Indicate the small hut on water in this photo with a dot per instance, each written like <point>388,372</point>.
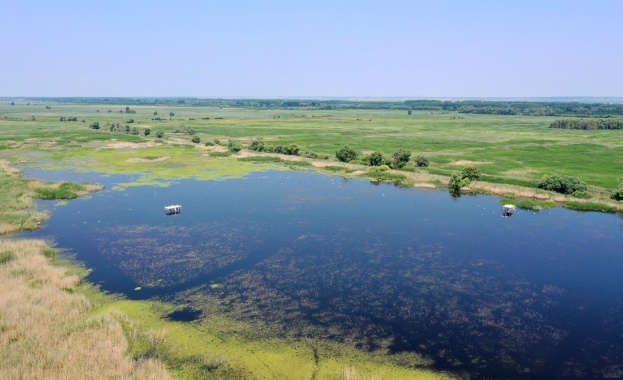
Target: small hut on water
<point>172,209</point>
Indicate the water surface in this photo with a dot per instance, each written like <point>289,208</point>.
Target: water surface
<point>536,295</point>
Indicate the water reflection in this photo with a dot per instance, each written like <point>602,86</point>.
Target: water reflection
<point>402,270</point>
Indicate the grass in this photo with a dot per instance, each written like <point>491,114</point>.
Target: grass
<point>530,204</point>
<point>515,150</point>
<point>590,206</point>
<point>47,332</point>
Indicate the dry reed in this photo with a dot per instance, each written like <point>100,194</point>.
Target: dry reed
<point>47,330</point>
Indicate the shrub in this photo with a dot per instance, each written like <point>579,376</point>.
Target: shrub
<point>5,257</point>
<point>217,142</point>
<point>234,146</point>
<point>292,150</point>
<point>159,134</point>
<point>421,161</point>
<point>582,194</point>
<point>374,159</point>
<point>457,181</point>
<point>196,139</point>
<point>95,125</point>
<point>562,184</point>
<point>471,172</point>
<point>258,146</point>
<point>381,168</point>
<point>278,149</point>
<point>147,132</point>
<point>400,158</point>
<point>184,129</point>
<point>209,143</point>
<point>346,154</point>
<point>618,194</point>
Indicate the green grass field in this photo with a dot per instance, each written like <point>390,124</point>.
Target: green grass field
<point>507,149</point>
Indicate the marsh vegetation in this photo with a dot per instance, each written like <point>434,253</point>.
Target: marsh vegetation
<point>329,304</point>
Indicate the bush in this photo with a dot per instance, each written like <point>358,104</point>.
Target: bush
<point>618,194</point>
<point>95,125</point>
<point>471,172</point>
<point>381,168</point>
<point>400,158</point>
<point>582,194</point>
<point>457,181</point>
<point>184,129</point>
<point>562,184</point>
<point>196,139</point>
<point>278,149</point>
<point>159,134</point>
<point>147,132</point>
<point>421,161</point>
<point>292,150</point>
<point>346,154</point>
<point>374,159</point>
<point>234,146</point>
<point>209,143</point>
<point>258,146</point>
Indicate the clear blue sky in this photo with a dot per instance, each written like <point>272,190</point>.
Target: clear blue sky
<point>432,48</point>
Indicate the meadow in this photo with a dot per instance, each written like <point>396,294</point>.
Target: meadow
<point>515,150</point>
<point>512,152</point>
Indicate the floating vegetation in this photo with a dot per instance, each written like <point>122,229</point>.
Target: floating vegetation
<point>529,204</point>
<point>377,268</point>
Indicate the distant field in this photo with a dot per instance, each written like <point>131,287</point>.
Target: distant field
<point>507,149</point>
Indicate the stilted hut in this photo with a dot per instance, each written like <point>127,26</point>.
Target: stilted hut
<point>508,210</point>
<point>172,209</point>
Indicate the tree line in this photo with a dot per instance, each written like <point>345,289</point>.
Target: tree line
<point>588,124</point>
<point>493,107</point>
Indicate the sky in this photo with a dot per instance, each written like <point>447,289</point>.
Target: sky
<point>321,48</point>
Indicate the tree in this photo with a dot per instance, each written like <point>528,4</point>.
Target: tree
<point>375,159</point>
<point>155,112</point>
<point>171,114</point>
<point>346,154</point>
<point>457,181</point>
<point>292,149</point>
<point>562,184</point>
<point>258,146</point>
<point>421,161</point>
<point>409,112</point>
<point>12,103</point>
<point>618,194</point>
<point>400,158</point>
<point>471,172</point>
<point>234,146</point>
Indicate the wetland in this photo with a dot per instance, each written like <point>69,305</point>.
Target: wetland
<point>383,268</point>
<point>285,265</point>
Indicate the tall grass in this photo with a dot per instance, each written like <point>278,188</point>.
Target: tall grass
<point>47,332</point>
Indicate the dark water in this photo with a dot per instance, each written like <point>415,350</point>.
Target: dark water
<point>536,295</point>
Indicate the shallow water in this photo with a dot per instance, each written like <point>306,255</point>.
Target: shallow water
<point>535,295</point>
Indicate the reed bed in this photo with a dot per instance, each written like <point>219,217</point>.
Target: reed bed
<point>47,330</point>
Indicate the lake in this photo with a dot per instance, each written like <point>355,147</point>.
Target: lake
<point>534,295</point>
